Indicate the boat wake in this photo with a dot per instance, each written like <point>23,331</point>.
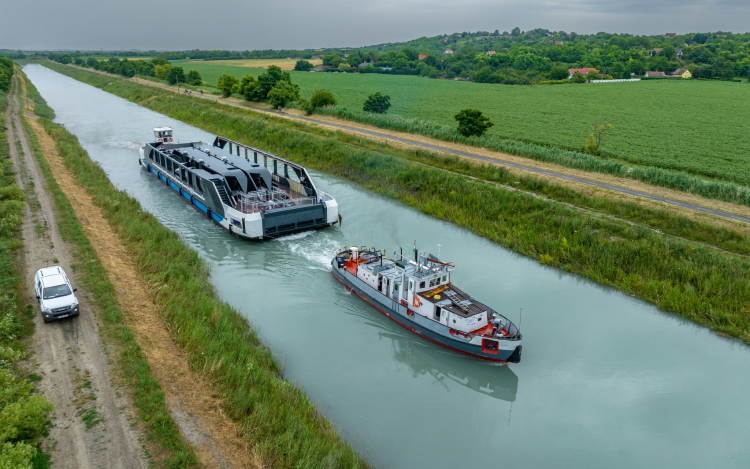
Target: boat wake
<point>314,246</point>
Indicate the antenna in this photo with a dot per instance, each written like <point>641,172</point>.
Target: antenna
<point>438,252</point>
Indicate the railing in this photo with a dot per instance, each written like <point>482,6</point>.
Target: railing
<point>262,201</point>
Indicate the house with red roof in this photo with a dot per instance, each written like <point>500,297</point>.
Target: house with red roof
<point>582,71</point>
<point>491,52</point>
<point>449,51</point>
<point>422,56</point>
<point>655,75</point>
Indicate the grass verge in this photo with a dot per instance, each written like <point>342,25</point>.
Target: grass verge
<point>687,278</point>
<point>23,413</point>
<point>281,423</point>
<point>147,396</point>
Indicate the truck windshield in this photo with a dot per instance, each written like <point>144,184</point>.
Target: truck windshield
<point>56,292</point>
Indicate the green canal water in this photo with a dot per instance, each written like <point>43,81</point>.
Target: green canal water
<point>605,380</point>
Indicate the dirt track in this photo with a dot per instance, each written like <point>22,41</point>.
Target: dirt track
<point>68,354</point>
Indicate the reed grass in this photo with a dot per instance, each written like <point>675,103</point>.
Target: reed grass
<point>171,449</point>
<point>680,276</point>
<point>281,424</point>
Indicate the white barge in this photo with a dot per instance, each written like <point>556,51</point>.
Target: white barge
<point>419,295</point>
<point>251,193</point>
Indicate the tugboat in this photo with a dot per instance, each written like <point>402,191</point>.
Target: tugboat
<point>419,295</point>
<point>251,193</point>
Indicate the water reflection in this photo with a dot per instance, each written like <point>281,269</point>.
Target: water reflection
<point>497,381</point>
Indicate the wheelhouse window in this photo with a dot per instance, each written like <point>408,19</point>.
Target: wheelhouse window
<point>190,178</point>
<point>169,164</point>
<point>421,284</point>
<point>161,157</point>
<point>151,155</point>
<point>198,183</point>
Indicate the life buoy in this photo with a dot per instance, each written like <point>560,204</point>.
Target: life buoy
<point>170,139</point>
<point>503,332</point>
<point>417,303</point>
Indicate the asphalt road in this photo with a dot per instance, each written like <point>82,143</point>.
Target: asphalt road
<point>438,148</point>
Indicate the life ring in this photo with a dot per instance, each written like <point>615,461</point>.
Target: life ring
<point>170,139</point>
<point>417,303</point>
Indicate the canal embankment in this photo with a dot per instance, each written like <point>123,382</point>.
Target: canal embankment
<point>678,273</point>
<point>205,358</point>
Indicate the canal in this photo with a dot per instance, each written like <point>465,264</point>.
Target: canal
<point>606,380</point>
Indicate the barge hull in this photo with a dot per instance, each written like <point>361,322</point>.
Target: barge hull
<point>401,317</point>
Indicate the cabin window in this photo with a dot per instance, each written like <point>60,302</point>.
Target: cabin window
<point>411,285</point>
<point>151,155</point>
<point>184,176</point>
<point>437,313</point>
<point>190,178</point>
<point>161,159</point>
<point>443,278</point>
<point>198,183</point>
<point>421,284</point>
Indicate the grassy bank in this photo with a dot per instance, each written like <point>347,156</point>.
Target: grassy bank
<point>728,186</point>
<point>278,420</point>
<point>678,125</point>
<point>23,413</point>
<point>703,285</point>
<point>148,398</point>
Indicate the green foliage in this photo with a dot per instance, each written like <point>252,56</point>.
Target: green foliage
<point>377,103</point>
<point>283,93</point>
<point>321,98</point>
<point>471,123</point>
<point>596,138</point>
<point>578,78</point>
<point>17,456</point>
<point>226,84</point>
<point>303,66</point>
<point>6,73</point>
<point>559,73</point>
<point>193,78</point>
<point>332,60</point>
<point>268,80</point>
<point>248,87</point>
<point>175,75</point>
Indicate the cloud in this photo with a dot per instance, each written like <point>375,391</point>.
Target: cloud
<point>241,25</point>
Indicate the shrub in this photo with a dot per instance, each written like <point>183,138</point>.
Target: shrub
<point>303,66</point>
<point>471,122</point>
<point>578,78</point>
<point>193,78</point>
<point>322,98</point>
<point>226,84</point>
<point>377,103</point>
<point>283,93</point>
<point>559,73</point>
<point>175,75</point>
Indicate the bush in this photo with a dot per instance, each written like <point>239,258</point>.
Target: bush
<point>322,98</point>
<point>344,67</point>
<point>377,103</point>
<point>283,93</point>
<point>227,83</point>
<point>303,66</point>
<point>559,73</point>
<point>193,78</point>
<point>175,75</point>
<point>578,78</point>
<point>471,122</point>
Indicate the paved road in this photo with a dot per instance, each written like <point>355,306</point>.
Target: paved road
<point>442,149</point>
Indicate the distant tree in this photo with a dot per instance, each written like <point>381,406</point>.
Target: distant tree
<point>175,75</point>
<point>471,122</point>
<point>160,71</point>
<point>159,61</point>
<point>322,98</point>
<point>516,31</point>
<point>249,87</point>
<point>65,59</point>
<point>618,70</point>
<point>91,62</point>
<point>303,66</point>
<point>668,51</point>
<point>593,75</point>
<point>559,73</point>
<point>377,103</point>
<point>332,60</point>
<point>227,83</point>
<point>344,67</point>
<point>269,79</point>
<point>282,93</point>
<point>193,78</point>
<point>578,78</point>
<point>596,138</point>
<point>79,61</point>
<point>486,75</point>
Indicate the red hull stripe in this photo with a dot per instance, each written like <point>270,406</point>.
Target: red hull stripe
<point>414,330</point>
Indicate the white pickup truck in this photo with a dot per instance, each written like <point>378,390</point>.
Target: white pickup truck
<point>55,294</point>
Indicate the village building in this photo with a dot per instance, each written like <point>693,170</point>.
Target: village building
<point>582,71</point>
<point>422,56</point>
<point>449,51</point>
<point>682,73</point>
<point>670,35</point>
<point>678,52</point>
<point>559,43</point>
<point>655,75</point>
<point>491,52</point>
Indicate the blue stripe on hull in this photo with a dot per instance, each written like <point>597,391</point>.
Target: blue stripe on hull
<point>203,208</point>
<point>470,349</point>
<point>217,218</point>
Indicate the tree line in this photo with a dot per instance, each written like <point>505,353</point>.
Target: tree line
<point>156,67</point>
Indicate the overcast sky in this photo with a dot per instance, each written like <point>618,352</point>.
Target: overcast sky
<point>301,24</point>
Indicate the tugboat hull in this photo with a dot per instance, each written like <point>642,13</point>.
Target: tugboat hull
<point>506,351</point>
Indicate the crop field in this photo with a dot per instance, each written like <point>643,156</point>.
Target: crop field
<point>284,64</point>
<point>695,126</point>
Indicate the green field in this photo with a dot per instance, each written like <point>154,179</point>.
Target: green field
<point>687,125</point>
